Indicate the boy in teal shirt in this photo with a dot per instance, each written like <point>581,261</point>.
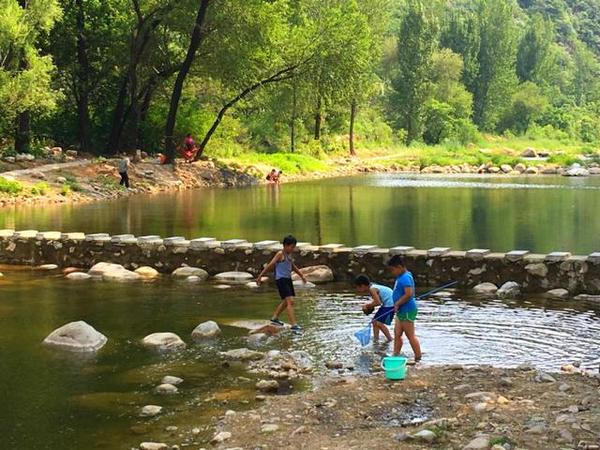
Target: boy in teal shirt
<point>405,306</point>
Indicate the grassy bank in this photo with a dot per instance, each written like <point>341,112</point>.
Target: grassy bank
<point>493,150</point>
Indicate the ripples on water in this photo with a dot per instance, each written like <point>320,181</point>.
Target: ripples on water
<point>466,332</point>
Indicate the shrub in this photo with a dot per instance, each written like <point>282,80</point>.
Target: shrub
<point>40,188</point>
<point>10,186</point>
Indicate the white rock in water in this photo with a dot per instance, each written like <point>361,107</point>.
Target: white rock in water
<point>316,274</point>
<point>299,284</point>
<point>163,341</point>
<point>153,446</point>
<point>166,389</point>
<point>48,267</point>
<point>113,272</point>
<point>185,272</point>
<point>558,293</point>
<point>243,354</point>
<point>169,379</point>
<point>193,279</point>
<point>510,289</point>
<point>485,288</point>
<point>205,330</point>
<point>98,269</point>
<point>76,337</point>
<point>223,286</point>
<point>147,272</point>
<point>150,411</point>
<point>252,285</point>
<point>234,277</point>
<point>78,276</point>
<point>576,171</point>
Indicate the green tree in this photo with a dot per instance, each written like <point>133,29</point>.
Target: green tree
<point>535,56</point>
<point>496,78</point>
<point>25,74</point>
<point>416,43</point>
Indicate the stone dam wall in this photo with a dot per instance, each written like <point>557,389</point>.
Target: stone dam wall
<point>533,272</point>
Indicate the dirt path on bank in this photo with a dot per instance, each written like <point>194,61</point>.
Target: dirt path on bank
<point>435,407</point>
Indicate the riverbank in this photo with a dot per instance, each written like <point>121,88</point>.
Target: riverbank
<point>450,407</point>
<point>78,179</point>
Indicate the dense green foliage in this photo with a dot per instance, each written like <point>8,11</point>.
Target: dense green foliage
<point>300,75</point>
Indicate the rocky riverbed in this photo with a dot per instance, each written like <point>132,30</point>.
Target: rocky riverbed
<point>451,407</point>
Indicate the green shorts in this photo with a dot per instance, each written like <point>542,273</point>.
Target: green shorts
<point>409,316</point>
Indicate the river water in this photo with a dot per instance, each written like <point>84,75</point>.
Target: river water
<point>57,401</point>
<point>540,214</point>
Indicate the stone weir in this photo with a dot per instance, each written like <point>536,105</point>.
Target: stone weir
<point>533,272</point>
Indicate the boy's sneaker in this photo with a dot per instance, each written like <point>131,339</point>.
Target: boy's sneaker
<point>296,328</point>
<point>277,322</point>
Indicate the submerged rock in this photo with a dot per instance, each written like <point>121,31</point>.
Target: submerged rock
<point>485,288</point>
<point>169,379</point>
<point>166,389</point>
<point>76,337</point>
<point>185,272</point>
<point>243,354</point>
<point>153,446</point>
<point>150,411</point>
<point>78,276</point>
<point>267,385</point>
<point>316,274</point>
<point>508,290</point>
<point>163,342</point>
<point>558,293</point>
<point>147,272</point>
<point>299,284</point>
<point>234,277</point>
<point>48,267</point>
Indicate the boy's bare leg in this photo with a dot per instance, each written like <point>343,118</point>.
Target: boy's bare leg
<point>289,302</point>
<point>397,338</point>
<point>386,332</point>
<point>375,331</point>
<point>282,305</point>
<point>409,329</point>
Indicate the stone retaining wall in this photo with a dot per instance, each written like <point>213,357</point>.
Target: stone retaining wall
<point>533,272</point>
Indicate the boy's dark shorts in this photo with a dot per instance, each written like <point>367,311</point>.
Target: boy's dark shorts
<point>286,288</point>
<point>385,315</point>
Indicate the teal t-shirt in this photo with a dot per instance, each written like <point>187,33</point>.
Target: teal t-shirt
<point>385,294</point>
<point>402,282</point>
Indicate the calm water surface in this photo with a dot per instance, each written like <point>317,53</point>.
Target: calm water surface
<point>540,214</point>
<point>56,401</point>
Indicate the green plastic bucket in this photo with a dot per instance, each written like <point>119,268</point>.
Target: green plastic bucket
<point>394,367</point>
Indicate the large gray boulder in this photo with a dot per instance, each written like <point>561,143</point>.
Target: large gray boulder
<point>113,272</point>
<point>186,271</point>
<point>206,330</point>
<point>76,337</point>
<point>508,290</point>
<point>164,342</point>
<point>316,274</point>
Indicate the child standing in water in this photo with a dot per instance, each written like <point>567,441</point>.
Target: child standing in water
<point>284,265</point>
<point>381,296</point>
<point>405,306</point>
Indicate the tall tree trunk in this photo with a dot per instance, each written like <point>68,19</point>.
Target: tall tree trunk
<point>112,147</point>
<point>281,75</point>
<point>293,121</point>
<point>23,120</point>
<point>83,72</point>
<point>23,132</point>
<point>351,134</point>
<point>195,41</point>
<point>318,120</point>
